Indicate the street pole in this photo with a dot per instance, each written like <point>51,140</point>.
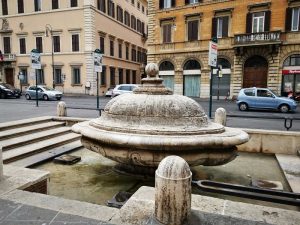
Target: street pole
<point>52,55</point>
<point>36,89</point>
<point>218,88</point>
<point>97,90</point>
<point>210,91</point>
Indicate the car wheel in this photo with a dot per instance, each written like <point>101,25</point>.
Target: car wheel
<point>243,106</point>
<point>27,96</point>
<point>284,108</point>
<point>2,95</point>
<point>45,97</point>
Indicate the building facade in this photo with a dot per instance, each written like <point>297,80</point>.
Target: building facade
<point>66,33</point>
<point>258,44</point>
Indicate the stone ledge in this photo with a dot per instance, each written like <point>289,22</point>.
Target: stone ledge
<point>140,209</point>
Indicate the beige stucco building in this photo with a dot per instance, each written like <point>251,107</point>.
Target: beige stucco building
<point>76,28</point>
<point>258,44</point>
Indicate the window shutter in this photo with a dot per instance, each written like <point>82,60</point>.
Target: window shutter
<point>190,30</point>
<point>225,26</point>
<point>214,27</point>
<point>187,2</point>
<point>267,20</point>
<point>161,4</point>
<point>249,23</point>
<point>173,3</point>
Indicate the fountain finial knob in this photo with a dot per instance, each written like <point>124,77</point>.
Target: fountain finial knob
<point>152,70</point>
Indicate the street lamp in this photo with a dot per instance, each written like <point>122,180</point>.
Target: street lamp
<point>48,30</point>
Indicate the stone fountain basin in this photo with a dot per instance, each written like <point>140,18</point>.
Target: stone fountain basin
<point>148,150</point>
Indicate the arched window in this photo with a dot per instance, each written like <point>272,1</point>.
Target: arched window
<point>293,60</point>
<point>166,66</point>
<point>192,65</point>
<point>224,63</point>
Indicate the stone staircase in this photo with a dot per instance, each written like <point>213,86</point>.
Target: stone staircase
<point>28,142</point>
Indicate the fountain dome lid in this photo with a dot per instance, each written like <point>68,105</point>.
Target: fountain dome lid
<point>154,109</point>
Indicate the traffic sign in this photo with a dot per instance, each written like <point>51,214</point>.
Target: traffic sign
<point>35,59</point>
<point>213,54</point>
<point>98,60</point>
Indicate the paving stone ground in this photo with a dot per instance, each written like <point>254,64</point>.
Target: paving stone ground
<point>12,213</point>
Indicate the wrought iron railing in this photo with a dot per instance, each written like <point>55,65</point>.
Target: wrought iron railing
<point>263,37</point>
<point>9,57</point>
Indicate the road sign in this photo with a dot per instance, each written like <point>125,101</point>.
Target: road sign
<point>213,54</point>
<point>35,59</point>
<point>98,60</point>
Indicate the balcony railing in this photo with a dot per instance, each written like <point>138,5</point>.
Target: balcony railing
<point>9,57</point>
<point>257,38</point>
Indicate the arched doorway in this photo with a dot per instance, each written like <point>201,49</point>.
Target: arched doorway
<point>221,81</point>
<point>255,72</point>
<point>291,76</point>
<point>166,72</point>
<point>191,78</point>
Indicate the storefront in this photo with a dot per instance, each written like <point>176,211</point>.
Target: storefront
<point>291,76</point>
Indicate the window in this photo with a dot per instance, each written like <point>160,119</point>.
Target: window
<point>295,19</point>
<point>293,60</point>
<point>132,2</point>
<point>143,28</point>
<point>56,43</point>
<point>54,4</point>
<point>22,45</point>
<point>220,27</point>
<point>127,52</point>
<point>249,92</point>
<point>73,3</point>
<point>57,76</point>
<point>112,76</point>
<point>103,76</point>
<point>165,4</point>
<point>120,50</point>
<point>20,6</point>
<point>6,43</point>
<point>133,22</point>
<point>191,1</point>
<point>24,72</point>
<point>112,49</point>
<point>138,5</point>
<point>119,14</point>
<point>76,75</point>
<point>133,76</point>
<point>101,5</point>
<point>37,5</point>
<point>139,56</point>
<point>111,8</point>
<point>192,27</point>
<point>121,81</point>
<point>139,26</point>
<point>258,22</point>
<point>127,19</point>
<point>39,44</point>
<point>75,42</point>
<point>127,76</point>
<point>4,8</point>
<point>40,76</point>
<point>264,93</point>
<point>143,9</point>
<point>167,33</point>
<point>102,44</point>
<point>133,55</point>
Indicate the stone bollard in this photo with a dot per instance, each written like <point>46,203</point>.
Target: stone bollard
<point>173,191</point>
<point>220,116</point>
<point>61,109</point>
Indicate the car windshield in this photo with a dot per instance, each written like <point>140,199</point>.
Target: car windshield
<point>7,86</point>
<point>49,89</point>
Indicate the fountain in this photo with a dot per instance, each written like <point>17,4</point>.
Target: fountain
<point>138,130</point>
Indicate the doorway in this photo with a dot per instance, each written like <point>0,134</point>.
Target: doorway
<point>9,76</point>
<point>255,72</point>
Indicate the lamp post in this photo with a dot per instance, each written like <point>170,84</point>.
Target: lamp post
<point>48,29</point>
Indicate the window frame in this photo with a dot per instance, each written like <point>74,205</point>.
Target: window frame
<point>56,46</point>
<point>55,4</point>
<point>22,46</point>
<point>6,48</point>
<point>73,3</point>
<point>74,81</point>
<point>37,5</point>
<point>259,19</point>
<point>297,18</point>
<point>39,46</point>
<point>190,20</point>
<point>73,47</point>
<point>163,25</point>
<point>20,6</point>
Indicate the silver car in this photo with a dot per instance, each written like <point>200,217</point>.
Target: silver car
<point>44,92</point>
<point>122,89</point>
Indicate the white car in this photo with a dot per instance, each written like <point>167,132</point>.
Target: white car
<point>45,93</point>
<point>122,89</point>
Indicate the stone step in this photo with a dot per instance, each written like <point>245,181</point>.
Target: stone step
<point>47,155</point>
<point>31,149</point>
<point>29,129</point>
<point>25,122</point>
<point>31,138</point>
<point>290,165</point>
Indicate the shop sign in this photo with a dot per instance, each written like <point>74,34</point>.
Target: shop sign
<point>286,72</point>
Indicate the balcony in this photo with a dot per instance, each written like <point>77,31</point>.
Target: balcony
<point>263,38</point>
<point>9,57</point>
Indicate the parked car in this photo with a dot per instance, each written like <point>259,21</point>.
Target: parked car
<point>123,88</point>
<point>8,91</point>
<point>109,92</point>
<point>263,98</point>
<point>44,92</point>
